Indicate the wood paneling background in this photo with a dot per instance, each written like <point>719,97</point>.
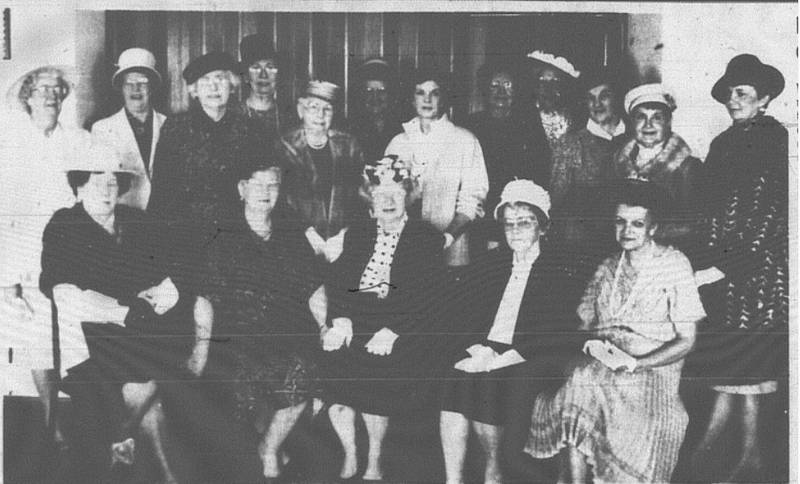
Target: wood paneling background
<point>331,45</point>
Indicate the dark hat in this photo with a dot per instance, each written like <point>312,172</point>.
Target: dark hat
<point>256,47</point>
<point>327,91</point>
<point>213,61</point>
<point>748,70</point>
<point>377,69</point>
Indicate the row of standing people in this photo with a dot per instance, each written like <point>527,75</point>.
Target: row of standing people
<point>209,143</point>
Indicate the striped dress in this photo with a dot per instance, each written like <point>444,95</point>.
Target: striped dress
<point>630,426</point>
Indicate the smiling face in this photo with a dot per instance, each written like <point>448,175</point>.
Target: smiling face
<point>376,97</point>
<point>388,202</point>
<point>214,89</point>
<point>136,90</point>
<point>261,191</point>
<point>600,104</point>
<point>428,100</point>
<point>521,227</point>
<point>46,96</point>
<point>634,227</point>
<point>744,103</point>
<point>263,76</point>
<point>317,114</point>
<point>100,194</point>
<point>651,125</point>
<point>501,92</point>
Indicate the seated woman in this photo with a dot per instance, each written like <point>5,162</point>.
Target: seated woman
<point>380,292</point>
<point>619,411</point>
<point>264,273</point>
<point>518,332</point>
<point>103,266</point>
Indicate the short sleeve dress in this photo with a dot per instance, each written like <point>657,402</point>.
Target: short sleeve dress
<point>629,425</point>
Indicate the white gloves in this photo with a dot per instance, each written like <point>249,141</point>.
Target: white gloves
<point>483,358</point>
<point>162,297</point>
<point>331,249</point>
<point>382,342</point>
<point>610,355</point>
<point>340,334</point>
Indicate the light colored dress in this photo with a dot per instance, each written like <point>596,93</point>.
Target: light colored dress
<point>629,425</point>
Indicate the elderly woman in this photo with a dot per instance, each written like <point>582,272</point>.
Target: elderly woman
<point>265,277</point>
<point>197,153</point>
<point>554,85</point>
<point>260,66</point>
<point>514,145</point>
<point>322,169</point>
<point>657,154</point>
<point>745,350</point>
<point>517,332</point>
<point>104,268</point>
<point>448,163</point>
<point>619,411</point>
<point>32,141</point>
<point>375,117</point>
<point>381,293</point>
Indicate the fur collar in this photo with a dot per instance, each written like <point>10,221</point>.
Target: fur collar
<point>671,157</point>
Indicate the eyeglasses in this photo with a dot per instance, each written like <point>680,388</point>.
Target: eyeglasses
<point>207,81</point>
<point>521,224</point>
<point>136,85</point>
<point>46,89</point>
<point>269,66</point>
<point>495,86</point>
<point>316,108</point>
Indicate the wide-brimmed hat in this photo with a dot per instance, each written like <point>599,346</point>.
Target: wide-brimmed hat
<point>13,95</point>
<point>649,93</point>
<point>256,47</point>
<point>748,70</point>
<point>327,91</point>
<point>377,68</point>
<point>524,191</point>
<point>541,59</point>
<point>213,61</point>
<point>99,158</point>
<point>135,59</point>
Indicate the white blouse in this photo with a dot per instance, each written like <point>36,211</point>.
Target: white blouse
<point>505,321</point>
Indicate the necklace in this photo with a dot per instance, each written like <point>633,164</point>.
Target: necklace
<point>615,309</point>
<point>317,145</point>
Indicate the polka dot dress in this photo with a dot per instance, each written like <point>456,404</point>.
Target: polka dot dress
<point>375,277</point>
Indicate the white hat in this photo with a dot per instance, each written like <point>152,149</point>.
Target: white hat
<point>135,58</point>
<point>99,158</point>
<point>649,93</point>
<point>524,191</point>
<point>14,98</point>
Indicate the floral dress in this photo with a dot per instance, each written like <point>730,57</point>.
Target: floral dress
<point>630,426</point>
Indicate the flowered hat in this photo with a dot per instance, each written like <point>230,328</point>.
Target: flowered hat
<point>389,169</point>
<point>560,63</point>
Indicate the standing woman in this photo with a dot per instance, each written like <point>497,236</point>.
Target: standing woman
<point>554,86</point>
<point>448,162</point>
<point>747,194</point>
<point>381,292</point>
<point>375,118</point>
<point>261,66</point>
<point>197,154</point>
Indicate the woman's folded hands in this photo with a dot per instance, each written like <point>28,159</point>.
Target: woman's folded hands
<point>483,358</point>
<point>340,333</point>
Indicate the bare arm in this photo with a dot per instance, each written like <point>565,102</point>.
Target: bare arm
<point>203,323</point>
<point>672,351</point>
<point>76,304</point>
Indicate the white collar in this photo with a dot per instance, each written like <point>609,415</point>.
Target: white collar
<point>402,225</point>
<point>412,127</point>
<point>598,130</point>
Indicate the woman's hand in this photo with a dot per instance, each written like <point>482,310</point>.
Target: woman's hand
<point>162,297</point>
<point>612,333</point>
<point>197,362</point>
<point>382,342</point>
<point>315,240</point>
<point>341,333</point>
<point>708,276</point>
<point>509,358</point>
<point>334,246</point>
<point>480,359</point>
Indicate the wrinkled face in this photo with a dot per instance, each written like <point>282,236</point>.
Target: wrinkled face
<point>376,97</point>
<point>317,114</point>
<point>744,103</point>
<point>549,89</point>
<point>136,89</point>
<point>388,202</point>
<point>263,76</point>
<point>634,227</point>
<point>521,227</point>
<point>261,191</point>
<point>600,104</point>
<point>651,125</point>
<point>501,91</point>
<point>100,194</point>
<point>428,100</point>
<point>46,96</point>
<point>214,89</point>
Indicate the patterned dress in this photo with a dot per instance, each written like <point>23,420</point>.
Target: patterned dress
<point>630,426</point>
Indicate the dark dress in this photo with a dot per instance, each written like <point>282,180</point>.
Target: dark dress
<point>260,295</point>
<point>543,334</point>
<point>746,338</point>
<point>374,142</point>
<point>399,382</point>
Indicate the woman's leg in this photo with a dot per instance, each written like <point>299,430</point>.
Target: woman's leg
<point>490,436</point>
<point>573,466</point>
<point>376,432</point>
<point>153,426</point>
<point>343,419</point>
<point>47,382</point>
<point>751,459</point>
<point>719,417</point>
<point>454,432</point>
<point>279,428</point>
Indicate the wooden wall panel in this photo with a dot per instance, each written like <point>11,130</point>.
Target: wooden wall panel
<point>293,31</point>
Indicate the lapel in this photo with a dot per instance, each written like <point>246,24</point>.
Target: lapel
<point>158,121</point>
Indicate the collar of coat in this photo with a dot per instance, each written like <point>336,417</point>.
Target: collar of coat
<point>671,157</point>
<point>412,127</point>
